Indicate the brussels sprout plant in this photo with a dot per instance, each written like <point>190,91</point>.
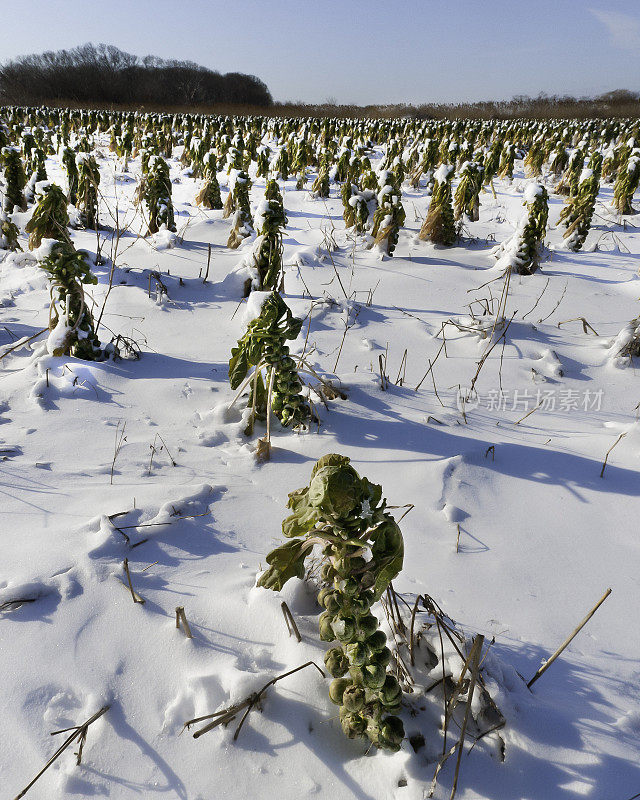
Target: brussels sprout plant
<point>578,210</point>
<point>8,233</point>
<point>466,198</point>
<point>88,182</point>
<point>158,196</point>
<point>50,217</point>
<point>209,194</point>
<point>266,257</point>
<point>390,215</point>
<point>238,201</point>
<point>571,176</point>
<point>71,323</point>
<point>627,181</point>
<point>69,162</point>
<point>439,225</point>
<point>362,549</point>
<point>14,178</point>
<point>521,252</point>
<point>263,347</point>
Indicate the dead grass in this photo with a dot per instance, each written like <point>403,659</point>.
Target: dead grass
<point>614,104</point>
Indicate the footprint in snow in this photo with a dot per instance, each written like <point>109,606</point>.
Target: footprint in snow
<point>63,710</point>
<point>38,599</point>
<point>548,365</point>
<point>201,695</point>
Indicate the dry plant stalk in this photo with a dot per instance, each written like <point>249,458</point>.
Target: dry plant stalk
<point>22,342</point>
<point>407,637</point>
<point>135,596</point>
<point>290,621</point>
<point>225,716</point>
<point>545,666</point>
<point>80,733</point>
<point>474,662</point>
<point>12,605</point>
<point>206,275</point>
<point>585,325</point>
<point>606,458</point>
<point>181,620</point>
<point>263,449</point>
<point>120,439</point>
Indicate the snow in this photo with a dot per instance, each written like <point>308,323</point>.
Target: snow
<point>542,535</point>
<point>261,210</point>
<point>442,173</point>
<point>531,191</point>
<point>44,251</point>
<point>41,188</point>
<point>253,307</point>
<point>164,239</point>
<point>585,174</point>
<point>57,337</point>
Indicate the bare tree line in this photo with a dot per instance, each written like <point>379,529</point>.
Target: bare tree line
<point>105,74</point>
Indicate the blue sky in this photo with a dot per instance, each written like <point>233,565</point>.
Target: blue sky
<point>387,51</point>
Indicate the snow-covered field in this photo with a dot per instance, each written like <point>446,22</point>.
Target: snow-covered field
<point>541,533</point>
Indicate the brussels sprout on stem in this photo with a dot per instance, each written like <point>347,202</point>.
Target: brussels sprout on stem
<point>87,191</point>
<point>363,552</point>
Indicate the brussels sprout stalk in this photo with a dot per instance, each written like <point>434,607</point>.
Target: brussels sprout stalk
<point>262,345</point>
<point>363,551</point>
<point>71,325</point>
<point>439,224</point>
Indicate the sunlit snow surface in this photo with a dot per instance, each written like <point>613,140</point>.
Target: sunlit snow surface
<point>542,534</point>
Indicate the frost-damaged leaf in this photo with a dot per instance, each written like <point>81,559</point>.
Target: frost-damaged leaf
<point>293,325</point>
<point>276,311</point>
<point>374,490</point>
<point>330,460</point>
<point>304,516</point>
<point>238,366</point>
<point>387,573</point>
<point>300,523</point>
<point>286,561</point>
<point>388,550</point>
<point>297,498</point>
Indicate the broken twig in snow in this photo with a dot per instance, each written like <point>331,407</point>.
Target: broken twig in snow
<point>80,733</point>
<point>606,458</point>
<point>545,666</point>
<point>181,619</point>
<point>136,597</point>
<point>228,714</point>
<point>291,623</point>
